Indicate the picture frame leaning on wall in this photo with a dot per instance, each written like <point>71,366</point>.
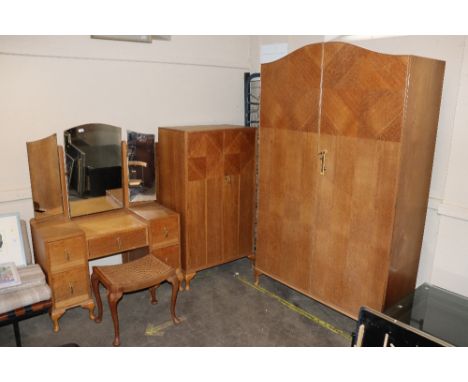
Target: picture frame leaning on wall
<point>11,240</point>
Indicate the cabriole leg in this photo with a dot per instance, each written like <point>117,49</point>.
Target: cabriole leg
<point>114,298</point>
<point>188,278</point>
<point>97,296</point>
<point>175,290</point>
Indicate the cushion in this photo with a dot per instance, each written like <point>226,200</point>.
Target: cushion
<point>33,288</point>
<point>30,275</point>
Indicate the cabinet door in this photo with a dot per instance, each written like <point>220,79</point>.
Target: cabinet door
<point>196,202</point>
<point>214,196</point>
<point>231,182</point>
<point>247,192</point>
<point>220,196</point>
<point>363,100</point>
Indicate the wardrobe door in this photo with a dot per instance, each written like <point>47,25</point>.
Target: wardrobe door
<point>196,256</point>
<point>362,116</point>
<point>288,169</point>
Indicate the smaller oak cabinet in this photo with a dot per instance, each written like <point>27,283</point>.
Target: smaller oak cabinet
<point>207,174</point>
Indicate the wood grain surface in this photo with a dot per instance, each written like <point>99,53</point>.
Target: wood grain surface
<point>207,173</point>
<point>349,236</point>
<point>44,171</point>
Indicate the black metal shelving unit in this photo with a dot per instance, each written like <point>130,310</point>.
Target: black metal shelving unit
<point>252,99</point>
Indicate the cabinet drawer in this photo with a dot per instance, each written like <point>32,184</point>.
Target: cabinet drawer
<point>117,243</point>
<point>70,286</point>
<point>170,255</point>
<point>68,253</point>
<point>165,230</point>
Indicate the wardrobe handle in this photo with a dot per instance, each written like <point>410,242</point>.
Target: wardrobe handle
<point>70,286</point>
<point>165,232</point>
<point>322,157</point>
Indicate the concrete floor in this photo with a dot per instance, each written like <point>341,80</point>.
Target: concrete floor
<point>221,309</point>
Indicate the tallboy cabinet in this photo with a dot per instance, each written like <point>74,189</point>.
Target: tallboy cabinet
<point>207,174</point>
<point>347,139</point>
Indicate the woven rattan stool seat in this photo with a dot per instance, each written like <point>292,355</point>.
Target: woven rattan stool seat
<point>146,272</point>
<point>138,274</point>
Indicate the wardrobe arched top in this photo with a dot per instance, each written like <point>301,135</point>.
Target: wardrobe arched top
<point>336,45</point>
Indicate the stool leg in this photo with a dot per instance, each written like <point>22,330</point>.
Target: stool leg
<point>97,295</point>
<point>114,298</point>
<point>175,290</point>
<point>152,290</point>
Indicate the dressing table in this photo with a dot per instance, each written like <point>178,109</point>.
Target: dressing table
<point>69,230</point>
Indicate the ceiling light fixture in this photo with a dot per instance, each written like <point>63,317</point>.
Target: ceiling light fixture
<point>132,38</point>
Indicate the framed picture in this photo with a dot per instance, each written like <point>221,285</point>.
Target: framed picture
<point>11,240</point>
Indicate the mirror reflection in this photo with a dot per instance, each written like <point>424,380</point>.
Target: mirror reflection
<point>141,166</point>
<point>94,168</point>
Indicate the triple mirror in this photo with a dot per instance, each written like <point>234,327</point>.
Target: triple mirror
<point>93,158</point>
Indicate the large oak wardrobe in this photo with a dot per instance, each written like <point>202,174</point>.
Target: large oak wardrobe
<point>347,140</point>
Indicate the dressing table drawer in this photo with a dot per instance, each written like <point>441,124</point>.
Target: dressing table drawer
<point>69,286</point>
<point>117,243</point>
<point>165,230</point>
<point>170,255</point>
<point>66,254</point>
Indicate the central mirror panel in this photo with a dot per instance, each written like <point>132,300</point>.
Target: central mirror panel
<point>94,168</point>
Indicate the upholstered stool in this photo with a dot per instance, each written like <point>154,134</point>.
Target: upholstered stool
<point>28,299</point>
<point>146,272</point>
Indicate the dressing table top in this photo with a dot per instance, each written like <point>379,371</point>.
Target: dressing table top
<point>108,223</point>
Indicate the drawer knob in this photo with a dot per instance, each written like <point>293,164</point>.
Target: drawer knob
<point>119,243</point>
<point>70,286</point>
<point>166,232</point>
<point>67,255</point>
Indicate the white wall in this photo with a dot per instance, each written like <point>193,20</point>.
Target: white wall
<point>51,83</point>
<point>444,257</point>
<point>450,268</point>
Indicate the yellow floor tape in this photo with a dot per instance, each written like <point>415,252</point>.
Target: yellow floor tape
<point>296,309</point>
<point>159,330</point>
